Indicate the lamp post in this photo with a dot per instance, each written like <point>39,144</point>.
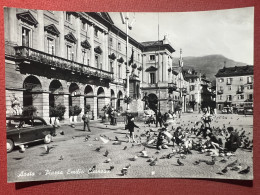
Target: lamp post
<point>125,20</point>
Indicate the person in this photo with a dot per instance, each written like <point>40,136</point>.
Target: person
<point>85,119</point>
<point>131,125</point>
<point>203,130</point>
<point>233,141</point>
<point>159,119</point>
<point>111,115</point>
<point>161,140</point>
<point>177,136</point>
<point>214,140</point>
<point>115,117</point>
<point>207,118</point>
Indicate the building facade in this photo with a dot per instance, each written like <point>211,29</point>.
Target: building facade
<point>234,87</point>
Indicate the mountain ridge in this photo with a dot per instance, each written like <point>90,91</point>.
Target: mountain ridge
<point>209,64</point>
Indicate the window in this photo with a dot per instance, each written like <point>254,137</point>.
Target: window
<point>119,46</point>
<point>50,46</point>
<point>119,71</point>
<point>96,32</point>
<point>249,79</point>
<point>152,78</point>
<point>83,25</point>
<point>152,57</point>
<point>229,81</point>
<point>192,97</point>
<point>229,97</point>
<point>192,88</point>
<point>220,87</point>
<point>68,17</point>
<point>111,41</point>
<point>220,97</point>
<point>221,80</point>
<point>25,37</point>
<point>138,57</point>
<point>240,97</point>
<point>250,96</point>
<point>70,54</point>
<point>111,67</point>
<point>84,56</point>
<point>97,61</point>
<point>250,87</point>
<point>229,88</point>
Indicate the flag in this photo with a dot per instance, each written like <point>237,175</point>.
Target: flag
<point>132,57</point>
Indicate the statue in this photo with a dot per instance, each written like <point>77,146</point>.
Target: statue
<point>16,108</point>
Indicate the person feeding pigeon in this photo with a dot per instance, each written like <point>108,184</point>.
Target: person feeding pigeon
<point>233,141</point>
<point>131,125</point>
<point>161,140</point>
<point>85,119</point>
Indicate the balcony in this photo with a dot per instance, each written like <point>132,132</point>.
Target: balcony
<point>184,91</point>
<point>172,87</point>
<point>220,91</point>
<point>229,83</point>
<point>239,91</point>
<point>23,54</point>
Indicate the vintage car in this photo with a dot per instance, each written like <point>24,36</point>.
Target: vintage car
<point>23,130</point>
<point>248,110</point>
<point>189,110</point>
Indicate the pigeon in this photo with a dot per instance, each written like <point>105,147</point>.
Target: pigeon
<point>73,137</point>
<point>134,158</point>
<point>111,168</point>
<point>157,152</point>
<point>116,138</point>
<point>210,162</point>
<point>225,170</point>
<point>150,159</point>
<point>86,139</point>
<point>245,171</point>
<point>106,153</point>
<point>153,173</point>
<point>124,171</point>
<point>236,168</point>
<point>108,160</point>
<point>117,143</point>
<point>98,149</point>
<point>132,145</point>
<point>180,163</point>
<point>196,162</point>
<point>62,132</point>
<point>223,160</point>
<point>163,156</point>
<point>61,157</point>
<point>232,164</point>
<point>128,166</point>
<point>153,163</point>
<point>92,168</point>
<point>125,148</point>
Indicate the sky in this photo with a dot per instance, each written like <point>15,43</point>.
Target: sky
<point>226,32</point>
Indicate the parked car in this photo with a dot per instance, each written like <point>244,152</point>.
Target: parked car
<point>248,110</point>
<point>189,110</point>
<point>23,130</point>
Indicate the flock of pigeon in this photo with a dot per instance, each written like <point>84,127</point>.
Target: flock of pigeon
<point>191,145</point>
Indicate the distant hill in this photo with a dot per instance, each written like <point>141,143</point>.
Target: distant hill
<point>208,64</point>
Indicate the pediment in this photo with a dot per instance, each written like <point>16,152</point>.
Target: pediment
<point>151,68</point>
<point>52,29</point>
<point>112,56</point>
<point>85,44</point>
<point>28,18</point>
<point>71,38</point>
<point>98,50</point>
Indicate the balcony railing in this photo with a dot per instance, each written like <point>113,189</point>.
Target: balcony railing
<point>26,53</point>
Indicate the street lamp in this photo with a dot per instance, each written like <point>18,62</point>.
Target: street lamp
<point>125,20</point>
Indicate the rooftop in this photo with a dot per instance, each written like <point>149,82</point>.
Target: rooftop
<point>235,71</point>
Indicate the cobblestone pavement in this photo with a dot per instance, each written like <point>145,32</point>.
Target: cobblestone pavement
<point>71,157</point>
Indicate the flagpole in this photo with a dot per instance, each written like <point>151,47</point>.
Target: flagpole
<point>127,62</point>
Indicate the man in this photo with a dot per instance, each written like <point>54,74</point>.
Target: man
<point>159,119</point>
<point>85,119</point>
<point>233,141</point>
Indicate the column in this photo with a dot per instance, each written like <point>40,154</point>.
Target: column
<point>91,42</point>
<point>41,102</point>
<point>78,29</point>
<point>66,104</point>
<point>144,79</point>
<point>95,107</point>
<point>81,105</point>
<point>61,49</point>
<point>104,54</point>
<point>165,68</point>
<point>12,24</point>
<point>160,68</point>
<point>40,29</point>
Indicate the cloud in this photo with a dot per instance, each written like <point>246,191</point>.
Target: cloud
<point>227,32</point>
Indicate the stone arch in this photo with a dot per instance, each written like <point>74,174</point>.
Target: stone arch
<point>112,98</point>
<point>74,93</point>
<point>56,93</point>
<point>89,98</point>
<point>32,85</point>
<point>100,100</point>
<point>120,98</point>
<point>153,101</point>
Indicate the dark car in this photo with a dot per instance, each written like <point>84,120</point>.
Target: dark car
<point>248,111</point>
<point>23,130</point>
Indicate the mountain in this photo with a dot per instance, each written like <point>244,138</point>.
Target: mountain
<point>209,64</point>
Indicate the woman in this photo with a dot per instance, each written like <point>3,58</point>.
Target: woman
<point>131,125</point>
